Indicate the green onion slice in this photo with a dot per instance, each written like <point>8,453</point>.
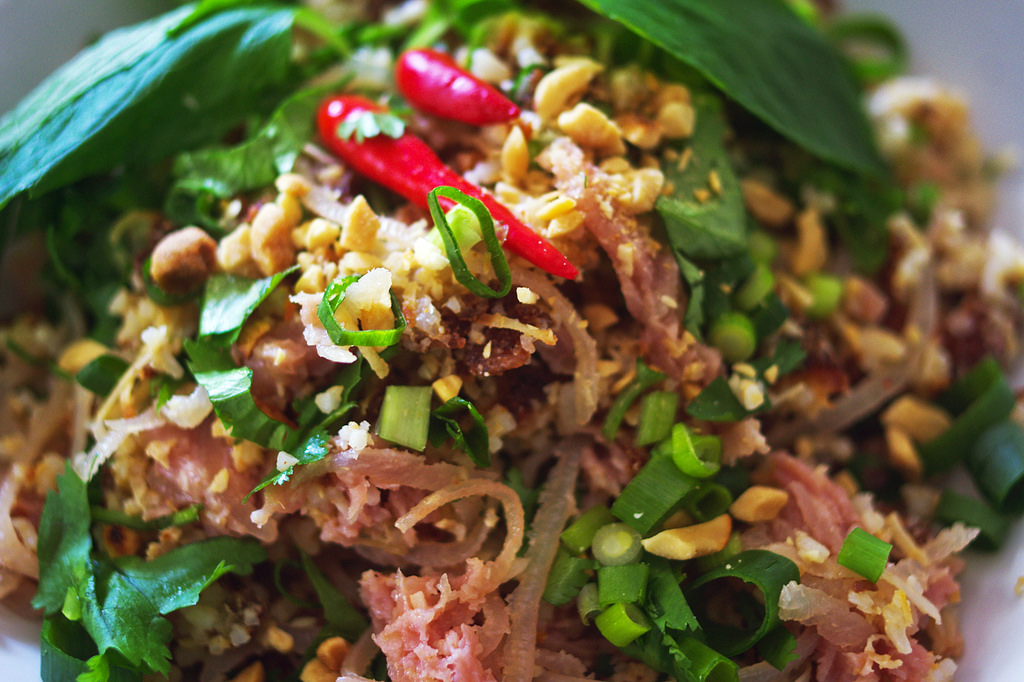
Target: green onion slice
<point>622,584</point>
<point>622,623</point>
<point>767,572</point>
<point>616,544</point>
<point>405,416</point>
<point>874,47</point>
<point>707,501</point>
<point>778,647</point>
<point>733,334</point>
<point>864,554</point>
<point>645,378</point>
<point>696,455</point>
<point>706,664</point>
<point>653,495</point>
<point>657,414</point>
<point>453,251</point>
<point>580,533</point>
<point>996,463</point>
<point>476,442</point>
<point>954,507</point>
<point>993,405</point>
<point>587,604</point>
<point>333,297</point>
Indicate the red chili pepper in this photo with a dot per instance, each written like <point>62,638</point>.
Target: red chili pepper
<point>434,83</point>
<point>409,167</point>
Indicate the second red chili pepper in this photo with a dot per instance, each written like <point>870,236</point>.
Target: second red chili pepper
<point>434,83</point>
<point>409,167</point>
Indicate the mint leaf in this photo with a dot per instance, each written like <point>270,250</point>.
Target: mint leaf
<point>230,389</point>
<point>713,226</point>
<point>141,93</point>
<point>763,56</point>
<point>228,301</point>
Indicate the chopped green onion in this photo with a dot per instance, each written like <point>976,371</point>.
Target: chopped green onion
<point>873,46</point>
<point>767,572</point>
<point>465,225</point>
<point>120,518</point>
<point>708,501</point>
<point>968,388</point>
<point>279,567</point>
<point>616,544</point>
<point>763,247</point>
<point>580,533</point>
<point>405,416</point>
<point>706,664</point>
<point>452,248</point>
<point>626,583</point>
<point>992,406</point>
<point>778,647</point>
<point>657,414</point>
<point>710,561</point>
<point>333,297</point>
<point>645,378</point>
<point>996,463</point>
<point>954,507</point>
<point>736,479</point>
<point>754,289</point>
<point>733,334</point>
<point>475,442</point>
<point>826,292</point>
<point>567,576</point>
<point>342,618</point>
<point>864,554</point>
<point>696,455</point>
<point>587,603</point>
<point>622,623</point>
<point>653,495</point>
<point>102,374</point>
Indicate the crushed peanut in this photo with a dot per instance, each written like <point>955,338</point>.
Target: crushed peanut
<point>690,542</point>
<point>759,503</point>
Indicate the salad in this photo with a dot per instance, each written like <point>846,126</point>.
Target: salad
<point>478,340</point>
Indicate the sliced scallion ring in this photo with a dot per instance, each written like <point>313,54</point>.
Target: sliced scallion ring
<point>768,573</point>
<point>864,554</point>
<point>453,250</point>
<point>333,297</point>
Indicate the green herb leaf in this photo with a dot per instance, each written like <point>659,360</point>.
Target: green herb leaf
<point>142,93</point>
<point>367,124</point>
<point>228,301</point>
<point>763,56</point>
<point>224,172</point>
<point>475,442</point>
<point>342,618</point>
<point>68,653</point>
<point>122,600</point>
<point>230,391</point>
<point>120,518</point>
<point>716,227</point>
<point>101,375</point>
<point>666,604</point>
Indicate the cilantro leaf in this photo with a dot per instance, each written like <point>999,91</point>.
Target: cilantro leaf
<point>121,602</point>
<point>366,124</point>
<point>342,618</point>
<point>102,374</point>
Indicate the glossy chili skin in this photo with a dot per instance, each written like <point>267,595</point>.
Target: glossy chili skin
<point>433,83</point>
<point>411,168</point>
